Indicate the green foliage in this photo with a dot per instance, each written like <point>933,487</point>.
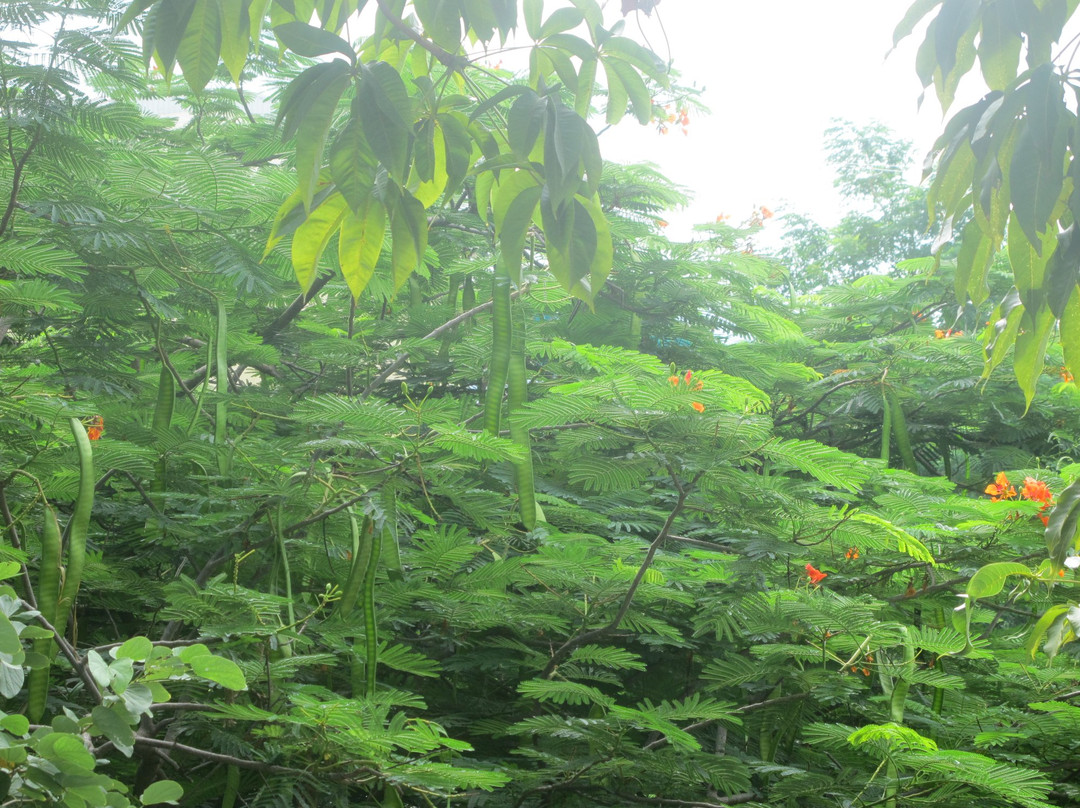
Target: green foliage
<point>323,564</point>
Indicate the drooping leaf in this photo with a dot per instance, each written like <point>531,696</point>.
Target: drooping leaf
<point>311,237</point>
<point>360,244</point>
<point>200,45</point>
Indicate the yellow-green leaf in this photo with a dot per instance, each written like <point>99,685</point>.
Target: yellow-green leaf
<point>360,244</point>
<point>313,235</point>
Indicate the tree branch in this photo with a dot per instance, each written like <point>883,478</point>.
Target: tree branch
<point>438,332</point>
<point>581,639</point>
<point>444,56</point>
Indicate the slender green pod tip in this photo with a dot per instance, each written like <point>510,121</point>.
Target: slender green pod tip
<point>371,633</point>
<point>78,526</point>
<point>221,371</point>
<point>900,432</point>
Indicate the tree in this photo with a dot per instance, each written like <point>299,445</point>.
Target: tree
<point>1009,161</point>
<point>885,222</point>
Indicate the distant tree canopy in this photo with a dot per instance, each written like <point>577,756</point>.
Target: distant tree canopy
<point>885,221</point>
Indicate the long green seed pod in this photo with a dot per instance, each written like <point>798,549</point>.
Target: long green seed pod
<point>886,428</point>
<point>897,703</point>
<point>501,335</point>
<point>222,374</point>
<point>286,569</point>
<point>517,395</point>
<point>48,592</point>
<point>468,294</point>
<point>391,552</point>
<point>903,441</point>
<point>163,412</point>
<point>77,527</point>
<point>371,633</point>
<point>357,572</point>
<point>232,786</point>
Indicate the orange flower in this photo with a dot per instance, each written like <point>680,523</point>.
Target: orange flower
<point>95,427</point>
<point>697,405</point>
<point>1061,573</point>
<point>766,213</point>
<point>1036,491</point>
<point>1065,375</point>
<point>1000,488</point>
<point>689,375</point>
<point>1044,519</point>
<point>661,222</point>
<point>816,576</point>
<point>723,217</point>
<point>939,334</point>
<point>852,553</point>
<point>674,381</point>
<point>699,385</point>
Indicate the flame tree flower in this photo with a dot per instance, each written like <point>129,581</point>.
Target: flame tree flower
<point>1000,489</point>
<point>816,576</point>
<point>1036,491</point>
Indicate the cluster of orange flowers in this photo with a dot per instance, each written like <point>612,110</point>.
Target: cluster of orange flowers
<point>758,216</point>
<point>852,553</point>
<point>687,378</point>
<point>946,333</point>
<point>816,576</point>
<point>1033,490</point>
<point>1065,375</point>
<point>681,117</point>
<point>95,427</point>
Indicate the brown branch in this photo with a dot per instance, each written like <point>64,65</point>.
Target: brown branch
<point>449,60</point>
<point>734,799</point>
<point>929,590</point>
<point>818,403</point>
<point>16,178</point>
<point>438,332</point>
<point>255,765</point>
<point>13,535</point>
<point>581,639</point>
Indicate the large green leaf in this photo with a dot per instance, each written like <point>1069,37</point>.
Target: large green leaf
<point>307,40</point>
<point>353,166</point>
<point>1061,525</point>
<point>408,234</point>
<point>235,35</point>
<point>382,105</point>
<point>513,205</point>
<point>360,244</point>
<point>198,50</point>
<point>314,128</point>
<point>990,579</point>
<point>313,235</point>
<point>1030,353</point>
<point>1069,330</point>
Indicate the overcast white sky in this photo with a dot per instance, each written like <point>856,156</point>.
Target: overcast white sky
<point>775,73</point>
